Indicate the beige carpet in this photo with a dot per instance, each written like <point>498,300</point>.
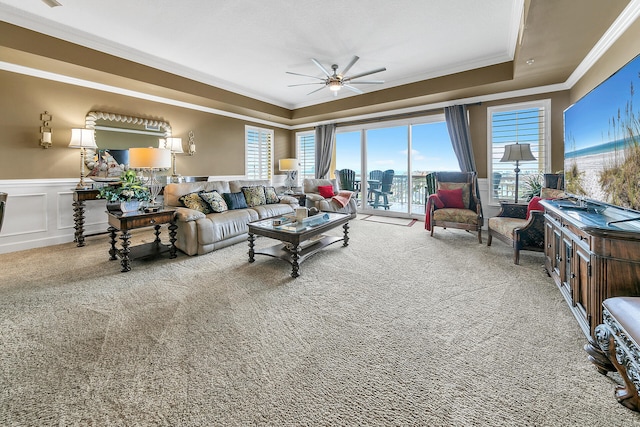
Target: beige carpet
<point>397,329</point>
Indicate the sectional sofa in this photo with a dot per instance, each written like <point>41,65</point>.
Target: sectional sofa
<point>202,230</point>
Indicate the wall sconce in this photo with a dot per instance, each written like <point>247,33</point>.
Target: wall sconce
<point>192,144</point>
<point>82,139</point>
<point>45,130</point>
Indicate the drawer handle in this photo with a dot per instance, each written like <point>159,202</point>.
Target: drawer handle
<point>153,221</point>
<point>573,275</point>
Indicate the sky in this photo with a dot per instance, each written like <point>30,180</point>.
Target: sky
<point>587,121</point>
<point>387,148</point>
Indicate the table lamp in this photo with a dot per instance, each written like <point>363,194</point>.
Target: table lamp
<point>517,153</point>
<point>175,146</point>
<point>290,166</point>
<point>82,139</point>
<point>150,160</point>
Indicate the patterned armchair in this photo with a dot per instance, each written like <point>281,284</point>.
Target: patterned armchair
<point>464,214</point>
<point>512,227</point>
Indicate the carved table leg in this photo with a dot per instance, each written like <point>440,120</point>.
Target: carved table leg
<point>295,266</point>
<point>78,217</point>
<point>251,240</point>
<point>172,238</point>
<point>346,234</point>
<point>157,232</point>
<point>126,262</point>
<point>113,251</point>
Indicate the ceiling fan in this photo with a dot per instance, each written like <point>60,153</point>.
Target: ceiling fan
<point>336,81</point>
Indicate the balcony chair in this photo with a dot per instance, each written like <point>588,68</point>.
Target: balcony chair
<point>383,191</point>
<point>375,178</point>
<point>455,204</point>
<point>347,181</point>
<point>324,195</point>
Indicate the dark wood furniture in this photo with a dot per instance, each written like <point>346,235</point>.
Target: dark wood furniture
<point>298,243</point>
<point>592,251</point>
<point>79,197</point>
<point>619,337</point>
<point>133,220</point>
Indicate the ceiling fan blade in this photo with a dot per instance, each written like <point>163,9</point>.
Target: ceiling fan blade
<point>349,65</point>
<point>304,75</point>
<point>353,89</point>
<point>368,82</point>
<point>306,84</point>
<point>324,70</point>
<point>317,90</point>
<point>366,73</point>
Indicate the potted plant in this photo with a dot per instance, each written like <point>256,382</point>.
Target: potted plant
<point>127,195</point>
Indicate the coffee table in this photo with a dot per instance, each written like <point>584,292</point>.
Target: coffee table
<point>298,242</point>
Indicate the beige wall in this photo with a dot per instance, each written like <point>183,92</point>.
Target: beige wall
<point>219,139</point>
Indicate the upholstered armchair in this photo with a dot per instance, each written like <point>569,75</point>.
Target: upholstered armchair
<point>522,225</point>
<point>324,195</point>
<point>455,203</point>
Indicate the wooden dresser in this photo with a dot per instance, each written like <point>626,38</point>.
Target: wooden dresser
<point>592,252</point>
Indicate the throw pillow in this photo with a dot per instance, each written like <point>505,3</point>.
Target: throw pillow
<point>451,198</point>
<point>466,190</point>
<point>195,202</point>
<point>270,195</point>
<point>235,200</point>
<point>534,205</point>
<point>254,195</point>
<point>326,191</point>
<point>214,200</point>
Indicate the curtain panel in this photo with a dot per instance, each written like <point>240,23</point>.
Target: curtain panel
<point>325,144</point>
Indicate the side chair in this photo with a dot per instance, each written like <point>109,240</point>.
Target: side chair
<point>384,190</point>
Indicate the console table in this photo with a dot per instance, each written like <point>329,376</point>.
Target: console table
<point>130,221</point>
<point>592,251</point>
<point>79,197</point>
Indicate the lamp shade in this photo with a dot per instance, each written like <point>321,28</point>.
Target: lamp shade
<point>174,144</point>
<point>82,138</point>
<point>517,152</point>
<point>149,158</point>
<point>288,164</point>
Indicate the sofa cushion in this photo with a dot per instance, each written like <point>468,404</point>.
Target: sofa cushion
<point>270,195</point>
<point>505,225</point>
<point>173,192</point>
<point>463,216</point>
<point>215,201</point>
<point>466,190</point>
<point>274,209</point>
<point>235,200</point>
<point>254,195</point>
<point>195,202</point>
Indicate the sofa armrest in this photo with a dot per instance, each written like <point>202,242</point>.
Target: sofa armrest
<point>290,200</point>
<point>186,214</point>
<point>314,197</point>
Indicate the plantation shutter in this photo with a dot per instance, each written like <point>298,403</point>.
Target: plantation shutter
<point>307,155</point>
<point>259,153</point>
<point>525,125</point>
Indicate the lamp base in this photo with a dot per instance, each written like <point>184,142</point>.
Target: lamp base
<point>83,186</point>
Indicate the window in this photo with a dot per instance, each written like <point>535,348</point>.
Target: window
<point>306,154</point>
<point>258,152</point>
<point>525,123</point>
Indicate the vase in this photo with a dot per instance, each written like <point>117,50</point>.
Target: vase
<point>130,206</point>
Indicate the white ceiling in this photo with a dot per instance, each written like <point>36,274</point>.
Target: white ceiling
<point>247,46</point>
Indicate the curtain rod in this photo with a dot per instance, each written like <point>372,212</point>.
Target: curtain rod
<point>397,116</point>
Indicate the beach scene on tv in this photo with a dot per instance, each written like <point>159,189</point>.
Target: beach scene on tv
<point>602,137</point>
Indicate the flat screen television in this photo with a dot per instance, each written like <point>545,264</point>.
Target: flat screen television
<point>602,141</point>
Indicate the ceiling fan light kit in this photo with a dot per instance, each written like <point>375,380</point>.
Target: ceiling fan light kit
<point>336,81</point>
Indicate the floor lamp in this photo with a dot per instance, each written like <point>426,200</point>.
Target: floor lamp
<point>150,160</point>
<point>517,153</point>
<point>82,139</point>
<point>290,166</point>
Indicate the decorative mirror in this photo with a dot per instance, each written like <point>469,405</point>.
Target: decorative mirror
<point>115,134</point>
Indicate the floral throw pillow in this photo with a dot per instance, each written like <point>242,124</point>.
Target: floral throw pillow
<point>195,202</point>
<point>254,195</point>
<point>214,200</point>
<point>270,195</point>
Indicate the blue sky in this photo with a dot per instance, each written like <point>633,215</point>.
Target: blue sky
<point>587,121</point>
<point>387,149</point>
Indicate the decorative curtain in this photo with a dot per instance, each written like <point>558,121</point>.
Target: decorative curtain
<point>325,144</point>
<point>458,127</point>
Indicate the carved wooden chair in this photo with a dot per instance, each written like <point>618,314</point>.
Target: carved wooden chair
<point>455,204</point>
<point>515,228</point>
